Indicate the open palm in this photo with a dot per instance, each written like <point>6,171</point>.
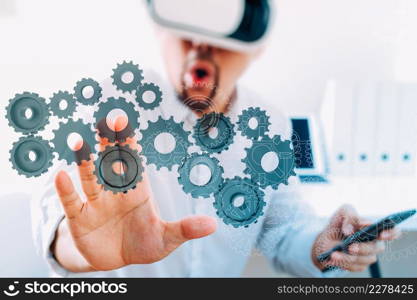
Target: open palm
<point>114,230</point>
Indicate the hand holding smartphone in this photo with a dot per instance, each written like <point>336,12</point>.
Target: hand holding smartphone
<point>368,233</point>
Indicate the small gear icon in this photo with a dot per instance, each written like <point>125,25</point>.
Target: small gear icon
<point>81,85</point>
<point>130,164</point>
<point>262,123</point>
<point>214,182</point>
<point>120,70</point>
<point>172,157</point>
<point>227,203</point>
<point>27,113</point>
<point>69,101</point>
<point>101,117</point>
<point>222,140</point>
<point>31,156</point>
<point>61,146</point>
<point>284,169</point>
<point>148,87</point>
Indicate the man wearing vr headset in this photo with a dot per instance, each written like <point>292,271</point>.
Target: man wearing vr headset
<point>127,235</point>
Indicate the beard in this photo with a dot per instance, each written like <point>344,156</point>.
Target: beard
<point>196,94</point>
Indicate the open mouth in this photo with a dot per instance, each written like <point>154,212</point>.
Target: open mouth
<point>200,74</point>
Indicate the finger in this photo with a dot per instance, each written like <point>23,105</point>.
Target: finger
<point>119,124</point>
<point>369,248</point>
<point>189,228</point>
<point>363,223</point>
<point>69,198</point>
<point>105,129</point>
<point>101,130</point>
<point>350,220</point>
<point>103,143</point>
<point>351,263</point>
<point>389,235</point>
<point>88,179</point>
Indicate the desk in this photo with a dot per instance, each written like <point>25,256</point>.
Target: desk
<point>373,197</point>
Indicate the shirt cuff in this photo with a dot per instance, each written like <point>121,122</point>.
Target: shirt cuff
<point>50,232</point>
<point>302,260</point>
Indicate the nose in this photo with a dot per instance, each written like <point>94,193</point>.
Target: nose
<point>202,48</point>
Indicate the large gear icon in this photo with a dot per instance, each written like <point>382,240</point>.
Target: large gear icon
<point>130,162</point>
<point>284,169</point>
<point>27,113</point>
<point>39,163</point>
<point>216,175</point>
<point>61,146</point>
<point>56,100</point>
<point>101,118</point>
<point>225,132</point>
<point>148,87</point>
<point>120,70</point>
<point>171,158</point>
<point>81,85</point>
<point>262,123</point>
<point>239,214</point>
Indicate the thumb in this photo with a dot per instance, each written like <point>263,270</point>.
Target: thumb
<point>186,229</point>
<point>345,219</point>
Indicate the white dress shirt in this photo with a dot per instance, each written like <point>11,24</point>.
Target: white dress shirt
<point>284,234</point>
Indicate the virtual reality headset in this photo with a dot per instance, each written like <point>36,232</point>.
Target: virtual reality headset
<point>240,25</point>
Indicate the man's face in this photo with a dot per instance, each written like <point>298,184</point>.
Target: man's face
<point>203,76</point>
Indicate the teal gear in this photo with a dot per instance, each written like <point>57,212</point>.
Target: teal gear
<point>109,178</point>
<point>236,214</point>
<point>145,88</point>
<point>262,121</point>
<point>172,158</point>
<point>16,113</point>
<point>101,115</point>
<point>225,132</point>
<point>56,100</point>
<point>122,69</point>
<point>81,85</point>
<point>61,146</point>
<point>24,164</point>
<point>216,175</point>
<point>284,169</point>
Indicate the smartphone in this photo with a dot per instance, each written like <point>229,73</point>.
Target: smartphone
<point>368,233</point>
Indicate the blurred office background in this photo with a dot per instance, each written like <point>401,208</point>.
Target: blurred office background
<point>316,47</point>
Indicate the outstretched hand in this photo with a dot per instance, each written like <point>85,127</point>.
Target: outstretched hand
<point>114,230</point>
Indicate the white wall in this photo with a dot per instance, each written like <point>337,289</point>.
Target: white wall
<point>47,45</point>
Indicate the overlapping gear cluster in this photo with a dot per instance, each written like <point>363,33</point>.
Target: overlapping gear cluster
<point>238,201</point>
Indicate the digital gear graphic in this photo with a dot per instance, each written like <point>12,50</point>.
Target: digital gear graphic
<point>101,117</point>
<point>149,87</point>
<point>79,91</point>
<point>67,109</point>
<point>31,156</point>
<point>27,113</point>
<point>239,202</point>
<point>261,123</point>
<point>171,158</point>
<point>126,68</point>
<point>61,145</point>
<point>119,168</point>
<point>214,182</point>
<point>223,137</point>
<point>285,166</point>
